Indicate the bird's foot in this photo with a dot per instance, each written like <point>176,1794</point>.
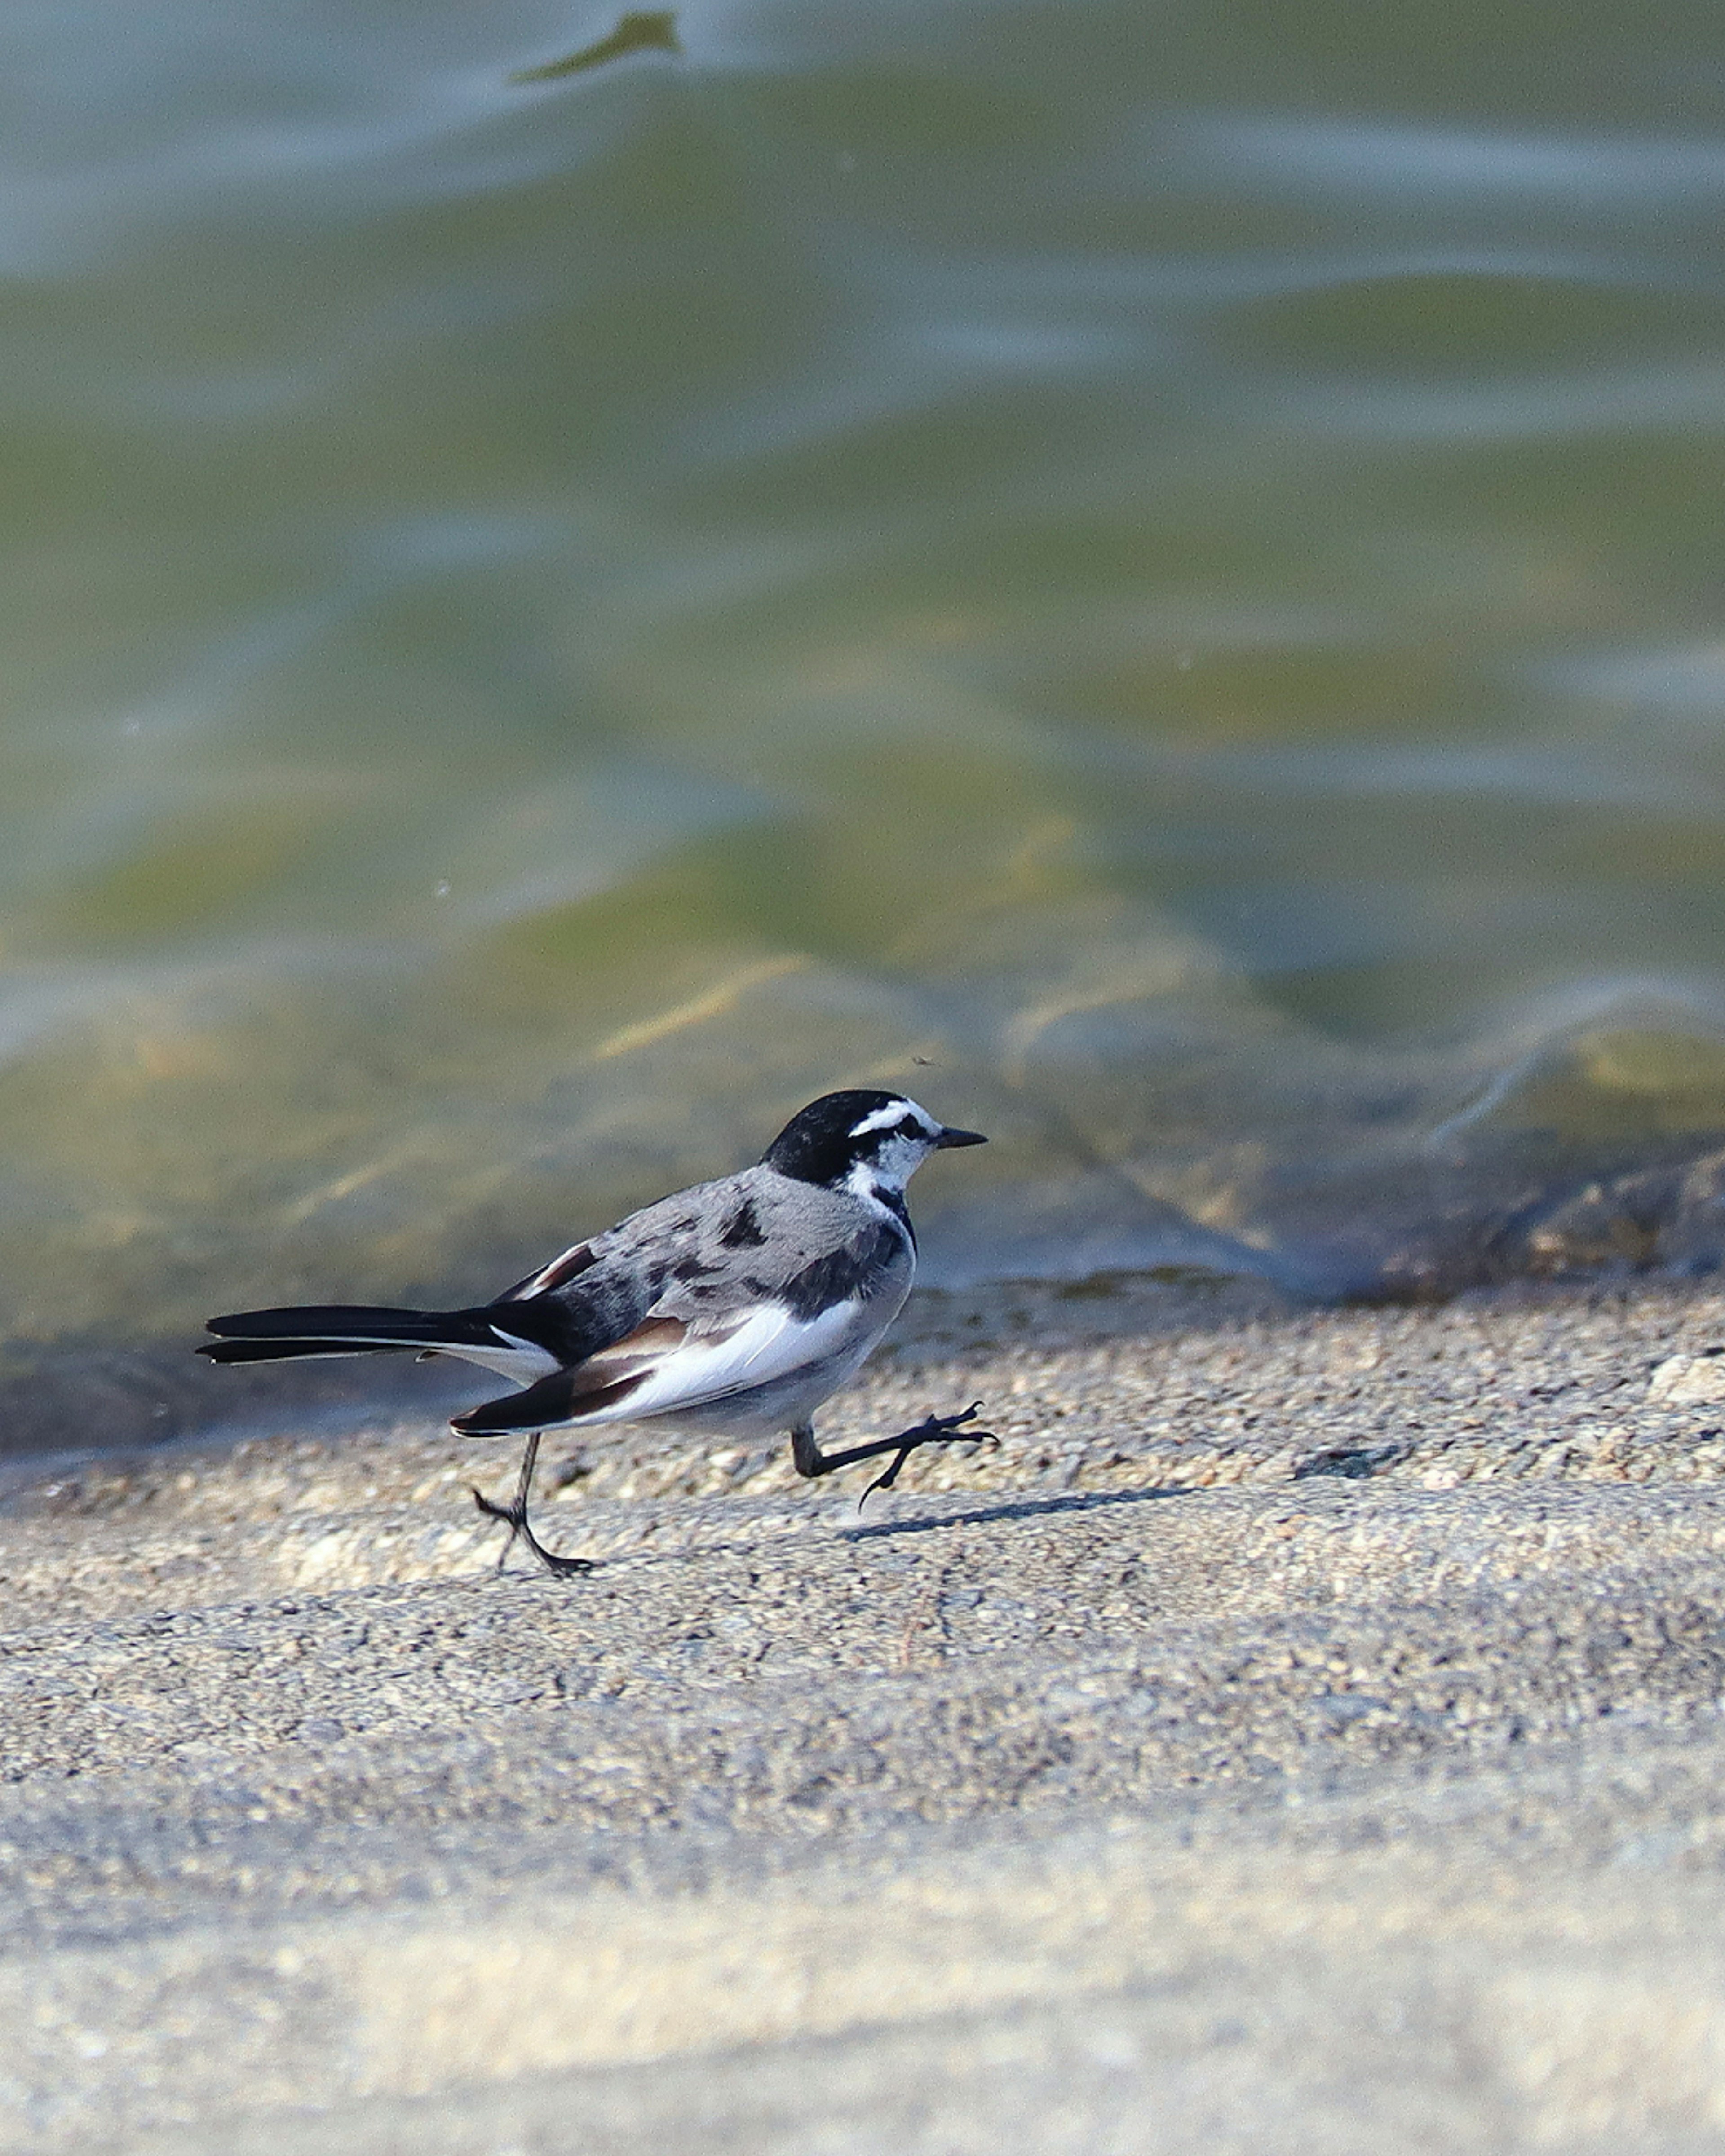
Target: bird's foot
<point>934,1430</point>
<point>515,1518</point>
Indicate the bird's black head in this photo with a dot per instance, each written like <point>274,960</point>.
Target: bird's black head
<point>882,1136</point>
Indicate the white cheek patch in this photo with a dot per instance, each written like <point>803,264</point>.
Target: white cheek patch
<point>898,1160</point>
<point>882,1181</point>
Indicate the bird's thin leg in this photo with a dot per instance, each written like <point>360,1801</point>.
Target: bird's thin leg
<point>516,1513</point>
<point>513,1515</point>
<point>934,1430</point>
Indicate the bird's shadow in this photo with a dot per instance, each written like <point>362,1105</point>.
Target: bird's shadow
<point>1027,1508</point>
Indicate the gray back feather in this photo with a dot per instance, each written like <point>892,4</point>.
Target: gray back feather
<point>708,1252</point>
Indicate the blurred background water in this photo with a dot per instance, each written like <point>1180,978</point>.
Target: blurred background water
<point>1152,575</point>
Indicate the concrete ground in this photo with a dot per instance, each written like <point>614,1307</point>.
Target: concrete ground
<point>1304,1732</point>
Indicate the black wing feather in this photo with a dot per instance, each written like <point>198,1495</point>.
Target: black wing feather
<point>561,1397</point>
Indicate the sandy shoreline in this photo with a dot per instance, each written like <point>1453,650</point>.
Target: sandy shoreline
<point>1285,1673</point>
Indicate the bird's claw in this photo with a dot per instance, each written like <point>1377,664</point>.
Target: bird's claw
<point>511,1516</point>
<point>934,1430</point>
<point>515,1518</point>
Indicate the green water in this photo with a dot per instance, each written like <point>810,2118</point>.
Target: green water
<point>1155,576</point>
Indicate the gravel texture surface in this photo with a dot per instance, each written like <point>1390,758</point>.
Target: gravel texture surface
<point>1305,1731</point>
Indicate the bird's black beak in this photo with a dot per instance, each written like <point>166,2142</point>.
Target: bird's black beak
<point>952,1137</point>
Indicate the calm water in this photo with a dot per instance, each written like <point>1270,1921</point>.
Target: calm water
<point>1158,577</point>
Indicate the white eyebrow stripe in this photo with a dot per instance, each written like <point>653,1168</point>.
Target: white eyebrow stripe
<point>884,1118</point>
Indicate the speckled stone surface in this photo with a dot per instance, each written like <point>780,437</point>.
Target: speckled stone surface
<point>1304,1731</point>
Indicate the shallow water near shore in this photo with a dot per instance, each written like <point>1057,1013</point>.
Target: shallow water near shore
<point>1155,582</point>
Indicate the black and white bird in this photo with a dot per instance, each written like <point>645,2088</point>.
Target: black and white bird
<point>738,1306</point>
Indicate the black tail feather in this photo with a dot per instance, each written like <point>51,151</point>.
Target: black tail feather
<point>282,1351</point>
<point>363,1324</point>
<point>341,1329</point>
